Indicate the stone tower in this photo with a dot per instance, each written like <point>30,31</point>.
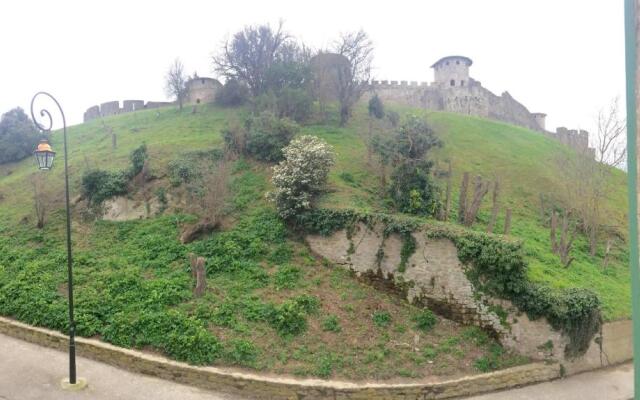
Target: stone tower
<point>452,71</point>
<point>540,119</point>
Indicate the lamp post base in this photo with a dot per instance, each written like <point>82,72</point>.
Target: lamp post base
<point>80,384</point>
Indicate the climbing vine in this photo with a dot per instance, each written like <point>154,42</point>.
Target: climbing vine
<point>495,265</point>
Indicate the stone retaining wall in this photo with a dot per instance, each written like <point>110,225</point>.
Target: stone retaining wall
<point>435,277</point>
<point>263,387</point>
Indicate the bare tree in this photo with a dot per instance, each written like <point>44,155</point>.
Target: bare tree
<point>507,222</point>
<point>352,78</point>
<point>462,202</point>
<point>199,274</point>
<point>562,247</point>
<point>585,187</point>
<point>249,55</point>
<point>611,144</point>
<point>479,191</point>
<point>176,82</point>
<point>496,206</point>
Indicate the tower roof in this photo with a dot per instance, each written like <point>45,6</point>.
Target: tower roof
<point>466,60</point>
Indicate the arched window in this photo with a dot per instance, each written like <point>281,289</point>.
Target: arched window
<point>453,82</point>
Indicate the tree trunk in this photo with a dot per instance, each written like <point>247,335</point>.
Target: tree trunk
<point>201,277</point>
<point>369,149</point>
<point>447,208</point>
<point>507,222</point>
<point>494,210</point>
<point>553,237</point>
<point>480,190</point>
<point>605,260</point>
<point>462,202</point>
<point>593,240</point>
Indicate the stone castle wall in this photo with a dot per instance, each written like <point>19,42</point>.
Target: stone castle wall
<point>455,91</point>
<point>113,108</point>
<point>435,277</point>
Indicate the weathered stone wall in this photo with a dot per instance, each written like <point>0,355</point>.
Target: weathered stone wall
<point>110,108</point>
<point>132,105</point>
<point>472,99</point>
<point>113,108</point>
<point>435,277</point>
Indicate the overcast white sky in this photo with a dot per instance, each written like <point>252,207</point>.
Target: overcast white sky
<point>564,58</point>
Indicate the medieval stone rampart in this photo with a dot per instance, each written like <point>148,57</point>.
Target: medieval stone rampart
<point>113,108</point>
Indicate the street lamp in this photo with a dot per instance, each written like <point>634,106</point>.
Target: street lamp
<point>44,155</point>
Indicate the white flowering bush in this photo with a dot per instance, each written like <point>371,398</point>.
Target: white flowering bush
<point>301,175</point>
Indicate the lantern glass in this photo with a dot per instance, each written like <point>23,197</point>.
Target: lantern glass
<point>44,156</point>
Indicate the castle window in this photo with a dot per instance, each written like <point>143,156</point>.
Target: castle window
<point>458,62</point>
<point>453,83</point>
<point>203,81</point>
<point>447,63</point>
<point>461,83</point>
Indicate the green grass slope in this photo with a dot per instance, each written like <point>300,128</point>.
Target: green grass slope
<point>144,256</point>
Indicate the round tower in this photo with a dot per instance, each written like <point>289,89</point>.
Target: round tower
<point>540,119</point>
<point>452,71</point>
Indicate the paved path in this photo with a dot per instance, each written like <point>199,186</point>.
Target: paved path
<point>614,383</point>
<point>31,372</point>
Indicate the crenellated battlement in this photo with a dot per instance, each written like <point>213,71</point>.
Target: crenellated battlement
<point>113,108</point>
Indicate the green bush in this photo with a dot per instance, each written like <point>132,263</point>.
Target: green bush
<point>232,94</point>
<point>295,104</point>
<point>289,318</point>
<point>183,170</point>
<point>382,319</point>
<point>99,185</point>
<point>287,277</point>
<point>138,158</point>
<point>331,324</point>
<point>267,135</point>
<point>242,352</point>
<point>425,320</point>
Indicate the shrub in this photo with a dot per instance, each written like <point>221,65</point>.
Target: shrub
<point>182,170</point>
<point>382,319</point>
<point>266,135</point>
<point>18,136</point>
<point>376,108</point>
<point>308,303</point>
<point>138,158</point>
<point>295,104</point>
<point>287,277</point>
<point>242,352</point>
<point>331,324</point>
<point>99,185</point>
<point>232,94</point>
<point>425,320</point>
<point>301,175</point>
<point>288,319</point>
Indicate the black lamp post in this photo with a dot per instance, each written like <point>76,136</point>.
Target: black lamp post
<point>44,157</point>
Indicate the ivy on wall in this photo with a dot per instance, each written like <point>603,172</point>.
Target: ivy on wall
<point>494,264</point>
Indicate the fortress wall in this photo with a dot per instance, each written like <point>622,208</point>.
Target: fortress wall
<point>110,108</point>
<point>506,108</point>
<point>132,105</point>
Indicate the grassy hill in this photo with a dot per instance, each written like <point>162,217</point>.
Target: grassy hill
<point>134,291</point>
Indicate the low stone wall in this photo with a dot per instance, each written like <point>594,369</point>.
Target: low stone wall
<point>264,387</point>
<point>434,277</point>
